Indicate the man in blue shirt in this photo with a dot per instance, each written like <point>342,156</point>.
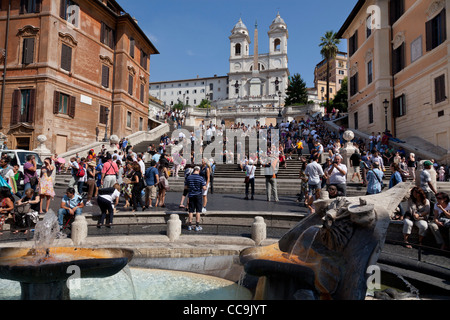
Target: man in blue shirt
<point>151,179</point>
<point>374,179</point>
<point>71,204</point>
<point>195,184</point>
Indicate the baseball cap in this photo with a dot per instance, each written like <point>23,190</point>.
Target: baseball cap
<point>428,163</point>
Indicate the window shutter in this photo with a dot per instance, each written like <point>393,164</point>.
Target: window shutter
<point>439,89</point>
<point>429,35</point>
<point>22,7</point>
<point>130,85</point>
<point>15,108</point>
<point>62,9</point>
<point>132,45</point>
<point>66,57</point>
<point>105,76</point>
<point>56,103</point>
<point>102,115</point>
<point>71,110</point>
<point>111,43</point>
<point>28,50</point>
<point>38,6</point>
<point>32,106</point>
<point>102,33</point>
<point>142,93</point>
<point>443,26</point>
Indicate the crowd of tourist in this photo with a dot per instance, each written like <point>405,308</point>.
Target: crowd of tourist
<point>104,178</point>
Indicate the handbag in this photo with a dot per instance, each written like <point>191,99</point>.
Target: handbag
<point>33,180</point>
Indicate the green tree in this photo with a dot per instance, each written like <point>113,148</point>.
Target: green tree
<point>340,101</point>
<point>205,104</point>
<point>297,94</point>
<point>329,48</point>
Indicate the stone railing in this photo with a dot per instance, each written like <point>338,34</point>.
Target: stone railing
<point>133,139</point>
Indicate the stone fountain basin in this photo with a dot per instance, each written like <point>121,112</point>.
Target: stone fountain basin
<point>23,265</point>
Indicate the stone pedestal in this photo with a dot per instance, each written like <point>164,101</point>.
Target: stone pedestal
<point>79,230</point>
<point>259,230</point>
<point>174,227</point>
<point>347,150</point>
<point>42,150</point>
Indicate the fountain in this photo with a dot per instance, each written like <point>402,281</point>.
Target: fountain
<point>327,255</point>
<point>43,270</point>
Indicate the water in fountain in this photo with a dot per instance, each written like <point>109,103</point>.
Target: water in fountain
<point>45,233</point>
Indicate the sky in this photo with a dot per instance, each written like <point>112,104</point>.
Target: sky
<point>192,35</point>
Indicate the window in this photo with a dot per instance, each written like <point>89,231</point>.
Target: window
<point>64,104</point>
<point>400,106</point>
<point>436,30</point>
<point>237,49</point>
<point>30,6</point>
<point>370,111</point>
<point>277,45</point>
<point>141,123</point>
<point>439,89</point>
<point>354,84</point>
<point>397,8</point>
<point>211,86</point>
<point>107,36</point>
<point>66,57</point>
<point>70,11</point>
<point>128,119</point>
<point>130,84</point>
<point>28,51</point>
<point>398,59</point>
<point>355,119</point>
<point>23,106</point>
<point>369,72</point>
<point>353,43</point>
<point>105,76</point>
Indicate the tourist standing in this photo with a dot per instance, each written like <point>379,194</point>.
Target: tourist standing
<point>90,176</point>
<point>314,172</point>
<point>338,174</point>
<point>205,172</point>
<point>109,172</point>
<point>270,173</point>
<point>151,180</point>
<point>106,200</point>
<point>250,170</point>
<point>30,173</point>
<point>196,184</point>
<point>426,185</point>
<point>46,189</point>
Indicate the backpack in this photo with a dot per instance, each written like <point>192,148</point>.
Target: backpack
<point>81,172</point>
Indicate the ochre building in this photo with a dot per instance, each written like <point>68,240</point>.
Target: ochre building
<point>75,70</point>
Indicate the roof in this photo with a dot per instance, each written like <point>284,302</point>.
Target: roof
<point>185,80</point>
<point>350,18</point>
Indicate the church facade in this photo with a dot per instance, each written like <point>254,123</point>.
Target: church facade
<point>265,84</point>
<point>246,87</point>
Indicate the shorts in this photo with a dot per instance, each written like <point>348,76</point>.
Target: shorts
<point>313,187</point>
<point>150,192</point>
<point>196,204</point>
<point>205,192</point>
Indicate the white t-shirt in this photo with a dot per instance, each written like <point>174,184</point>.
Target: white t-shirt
<point>338,178</point>
<point>111,197</point>
<point>440,212</point>
<point>250,171</point>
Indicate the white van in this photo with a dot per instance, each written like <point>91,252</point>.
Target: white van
<point>20,157</point>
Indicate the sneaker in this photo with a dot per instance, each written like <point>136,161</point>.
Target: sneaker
<point>198,228</point>
<point>203,210</point>
<point>189,228</point>
<point>89,204</point>
<point>61,235</point>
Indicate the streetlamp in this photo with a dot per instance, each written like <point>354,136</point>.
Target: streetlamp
<point>279,104</point>
<point>207,106</point>
<point>386,106</point>
<point>105,139</point>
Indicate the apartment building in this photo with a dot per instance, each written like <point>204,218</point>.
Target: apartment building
<point>74,70</point>
<point>399,68</point>
<point>338,71</point>
<point>190,91</point>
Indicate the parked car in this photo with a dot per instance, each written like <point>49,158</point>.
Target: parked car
<point>20,157</point>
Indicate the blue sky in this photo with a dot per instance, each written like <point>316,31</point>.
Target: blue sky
<point>192,35</point>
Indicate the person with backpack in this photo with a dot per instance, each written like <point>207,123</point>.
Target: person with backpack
<point>109,172</point>
<point>81,175</point>
<point>137,181</point>
<point>152,181</point>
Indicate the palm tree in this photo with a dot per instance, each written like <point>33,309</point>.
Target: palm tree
<point>329,48</point>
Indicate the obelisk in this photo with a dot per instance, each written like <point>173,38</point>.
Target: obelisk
<point>255,81</point>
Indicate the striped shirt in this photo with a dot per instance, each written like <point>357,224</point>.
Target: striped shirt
<point>195,185</point>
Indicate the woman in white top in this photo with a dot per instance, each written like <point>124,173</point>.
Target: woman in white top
<point>417,212</point>
<point>250,170</point>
